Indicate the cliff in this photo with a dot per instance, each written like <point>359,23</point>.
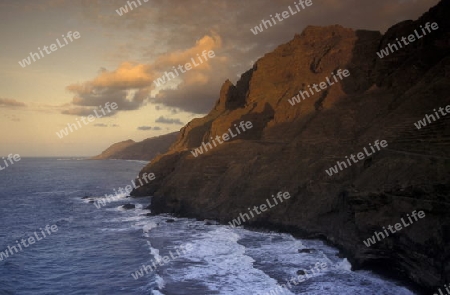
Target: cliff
<point>144,150</point>
<point>290,147</point>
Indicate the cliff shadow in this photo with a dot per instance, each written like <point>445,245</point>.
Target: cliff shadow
<point>362,62</point>
<point>259,122</point>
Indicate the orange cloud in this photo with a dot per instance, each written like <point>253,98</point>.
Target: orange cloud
<point>176,58</point>
<point>129,77</point>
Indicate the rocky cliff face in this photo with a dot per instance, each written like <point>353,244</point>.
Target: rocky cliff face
<point>290,147</point>
<point>145,150</point>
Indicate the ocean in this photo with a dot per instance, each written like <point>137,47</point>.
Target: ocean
<point>110,250</point>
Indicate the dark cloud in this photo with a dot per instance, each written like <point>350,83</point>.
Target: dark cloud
<point>78,111</point>
<point>144,128</point>
<point>164,120</point>
<point>160,107</point>
<point>156,128</point>
<point>190,98</point>
<point>87,95</point>
<point>7,102</point>
<point>105,125</point>
<point>232,19</point>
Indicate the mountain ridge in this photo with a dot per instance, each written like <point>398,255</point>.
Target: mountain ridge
<point>144,150</point>
<point>289,147</point>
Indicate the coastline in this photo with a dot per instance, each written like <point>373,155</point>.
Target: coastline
<point>290,148</point>
<point>380,269</point>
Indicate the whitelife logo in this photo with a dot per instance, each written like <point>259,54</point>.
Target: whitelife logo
<point>423,123</point>
<point>360,156</point>
<point>31,240</point>
<point>411,38</point>
<point>281,197</point>
<point>124,9</point>
<point>322,85</point>
<point>442,293</point>
<point>161,261</point>
<point>11,158</point>
<point>398,227</point>
<point>90,118</point>
<point>198,151</point>
<point>285,14</point>
<point>188,66</point>
<point>26,62</point>
<point>121,191</point>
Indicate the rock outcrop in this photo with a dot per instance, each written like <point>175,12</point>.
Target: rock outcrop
<point>145,150</point>
<point>290,147</point>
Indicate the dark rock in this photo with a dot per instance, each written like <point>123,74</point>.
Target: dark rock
<point>305,250</point>
<point>301,272</point>
<point>128,206</point>
<point>170,220</point>
<point>210,222</point>
<point>341,255</point>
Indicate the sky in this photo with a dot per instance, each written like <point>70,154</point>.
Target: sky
<point>116,59</point>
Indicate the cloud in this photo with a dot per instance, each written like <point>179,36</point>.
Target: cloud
<point>127,86</point>
<point>198,99</point>
<point>130,84</point>
<point>163,120</point>
<point>172,110</point>
<point>78,111</point>
<point>127,75</point>
<point>207,43</point>
<point>148,128</point>
<point>8,102</point>
<point>105,125</point>
<point>144,128</point>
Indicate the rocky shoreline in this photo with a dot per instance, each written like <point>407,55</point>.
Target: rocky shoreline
<point>290,147</point>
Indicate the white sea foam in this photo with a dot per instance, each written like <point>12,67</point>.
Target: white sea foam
<point>149,226</point>
<point>160,282</point>
<point>154,252</point>
<point>220,263</point>
<point>237,261</point>
<point>344,265</point>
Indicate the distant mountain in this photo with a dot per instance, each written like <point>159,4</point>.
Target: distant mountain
<point>292,145</point>
<point>144,150</point>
